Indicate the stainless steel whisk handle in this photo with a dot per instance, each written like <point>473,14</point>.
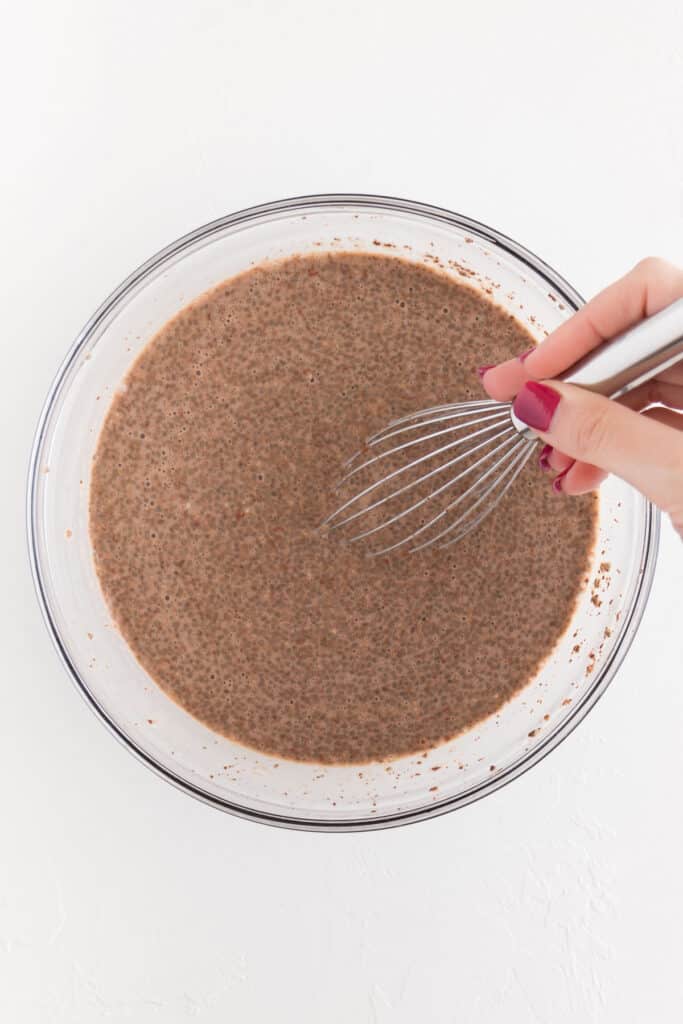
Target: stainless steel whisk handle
<point>627,360</point>
<point>631,358</point>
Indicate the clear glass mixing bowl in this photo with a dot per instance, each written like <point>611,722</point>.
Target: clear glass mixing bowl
<point>137,712</point>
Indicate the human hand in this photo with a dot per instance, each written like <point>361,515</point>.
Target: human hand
<point>639,437</point>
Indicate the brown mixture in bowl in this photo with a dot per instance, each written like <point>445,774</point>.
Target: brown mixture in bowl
<point>213,472</point>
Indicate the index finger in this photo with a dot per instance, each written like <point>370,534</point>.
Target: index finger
<point>649,287</point>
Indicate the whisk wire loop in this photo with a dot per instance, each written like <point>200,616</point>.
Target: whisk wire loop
<point>413,483</point>
<point>482,455</point>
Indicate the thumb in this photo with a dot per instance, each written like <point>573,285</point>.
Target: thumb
<point>644,452</point>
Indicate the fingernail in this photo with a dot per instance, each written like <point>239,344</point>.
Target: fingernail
<point>526,354</point>
<point>544,457</point>
<point>557,482</point>
<point>535,405</point>
<point>481,370</point>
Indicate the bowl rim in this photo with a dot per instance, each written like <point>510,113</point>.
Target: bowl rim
<point>316,202</point>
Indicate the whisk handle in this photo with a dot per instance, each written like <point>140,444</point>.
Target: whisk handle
<point>633,357</point>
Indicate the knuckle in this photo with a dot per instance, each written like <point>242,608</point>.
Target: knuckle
<point>655,269</point>
<point>651,266</point>
<point>676,516</point>
<point>672,496</point>
<point>590,431</point>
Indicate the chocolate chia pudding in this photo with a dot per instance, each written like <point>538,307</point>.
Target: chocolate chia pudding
<point>214,470</point>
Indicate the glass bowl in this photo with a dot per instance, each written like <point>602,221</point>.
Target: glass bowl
<point>162,735</point>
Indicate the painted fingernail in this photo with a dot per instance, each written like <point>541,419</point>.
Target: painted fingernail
<point>525,355</point>
<point>481,370</point>
<point>535,405</point>
<point>557,482</point>
<point>544,457</point>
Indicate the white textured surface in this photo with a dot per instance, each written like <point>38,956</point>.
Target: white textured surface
<point>560,898</point>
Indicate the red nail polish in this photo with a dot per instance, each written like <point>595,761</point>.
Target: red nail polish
<point>535,405</point>
<point>525,355</point>
<point>557,482</point>
<point>481,370</point>
<point>544,457</point>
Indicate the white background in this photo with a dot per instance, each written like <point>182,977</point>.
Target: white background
<point>560,898</point>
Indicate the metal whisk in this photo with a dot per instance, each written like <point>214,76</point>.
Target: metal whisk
<point>431,477</point>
